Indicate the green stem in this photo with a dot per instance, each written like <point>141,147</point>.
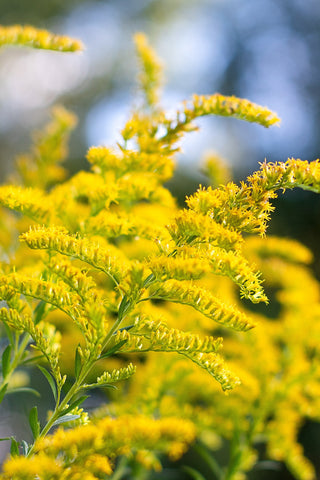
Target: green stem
<point>235,455</point>
<point>77,386</point>
<point>209,459</point>
<point>121,469</point>
<point>18,354</point>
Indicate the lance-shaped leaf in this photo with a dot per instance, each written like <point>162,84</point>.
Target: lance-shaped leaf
<point>50,380</point>
<point>34,422</point>
<point>6,356</point>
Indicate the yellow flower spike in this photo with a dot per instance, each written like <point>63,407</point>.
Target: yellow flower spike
<point>194,262</point>
<point>22,468</point>
<point>83,187</point>
<point>149,461</point>
<point>50,292</point>
<point>162,338</point>
<point>111,437</point>
<point>247,208</point>
<point>202,300</point>
<point>109,259</point>
<point>216,168</point>
<point>76,278</point>
<point>165,268</point>
<point>41,167</point>
<point>104,159</point>
<point>12,318</point>
<point>116,375</point>
<point>231,107</point>
<point>109,225</point>
<point>191,227</point>
<point>98,465</point>
<point>286,249</point>
<point>29,201</point>
<point>27,36</point>
<point>150,77</point>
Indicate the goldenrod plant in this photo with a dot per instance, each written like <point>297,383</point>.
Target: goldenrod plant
<point>113,286</point>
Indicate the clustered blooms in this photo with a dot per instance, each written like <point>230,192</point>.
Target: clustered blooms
<point>28,36</point>
<point>109,267</point>
<point>89,451</point>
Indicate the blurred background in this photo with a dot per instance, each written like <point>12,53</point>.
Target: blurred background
<point>267,51</point>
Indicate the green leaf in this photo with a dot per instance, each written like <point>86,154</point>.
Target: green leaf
<point>124,306</point>
<point>89,386</point>
<point>33,359</point>
<point>14,448</point>
<point>74,404</point>
<point>77,362</point>
<point>106,385</point>
<point>25,390</point>
<point>149,280</point>
<point>65,419</point>
<point>3,391</point>
<point>25,447</point>
<point>193,473</point>
<point>112,350</point>
<point>6,356</point>
<point>8,332</point>
<point>129,327</point>
<point>51,381</point>
<point>39,312</point>
<point>34,422</point>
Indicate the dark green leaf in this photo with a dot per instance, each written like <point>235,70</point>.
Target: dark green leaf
<point>193,473</point>
<point>51,381</point>
<point>65,419</point>
<point>112,350</point>
<point>75,404</point>
<point>124,306</point>
<point>77,362</point>
<point>123,328</point>
<point>148,280</point>
<point>39,312</point>
<point>14,448</point>
<point>6,356</point>
<point>3,391</point>
<point>34,422</point>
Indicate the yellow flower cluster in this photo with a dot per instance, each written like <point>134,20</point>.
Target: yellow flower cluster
<point>114,266</point>
<point>90,450</point>
<point>278,363</point>
<point>28,36</point>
